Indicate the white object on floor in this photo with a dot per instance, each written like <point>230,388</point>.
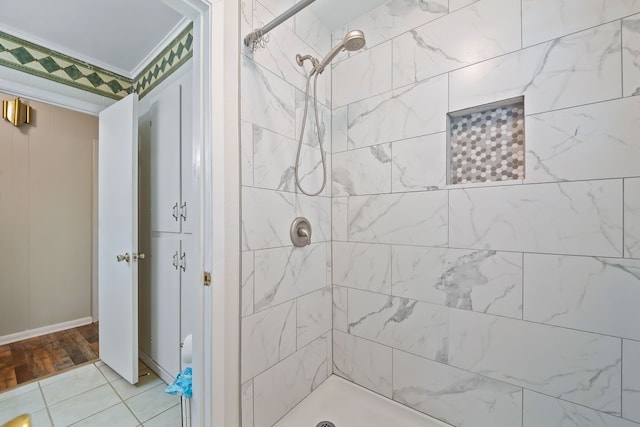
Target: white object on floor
<point>187,349</point>
<point>348,405</point>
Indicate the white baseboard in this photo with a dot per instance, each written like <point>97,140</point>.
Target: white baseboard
<point>30,333</point>
<point>164,375</point>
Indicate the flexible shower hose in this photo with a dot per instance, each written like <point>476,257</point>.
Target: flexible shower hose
<point>304,120</point>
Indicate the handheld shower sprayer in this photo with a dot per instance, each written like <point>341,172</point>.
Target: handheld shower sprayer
<point>353,40</point>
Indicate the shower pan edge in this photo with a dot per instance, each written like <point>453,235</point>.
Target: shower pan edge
<point>335,399</point>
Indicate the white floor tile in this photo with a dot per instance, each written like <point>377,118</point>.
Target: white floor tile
<point>71,383</point>
<point>41,419</point>
<point>86,404</point>
<point>126,390</point>
<point>170,418</point>
<point>118,415</point>
<point>17,391</point>
<point>151,403</point>
<point>24,403</point>
<point>109,373</point>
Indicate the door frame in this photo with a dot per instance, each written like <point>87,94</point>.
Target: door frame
<point>216,68</point>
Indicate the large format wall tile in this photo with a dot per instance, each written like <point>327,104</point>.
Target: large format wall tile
<point>339,127</point>
<point>247,283</point>
<point>313,316</point>
<point>419,164</point>
<point>544,20</point>
<point>576,366</point>
<point>632,218</point>
<point>589,142</point>
<point>363,171</point>
<point>582,218</point>
<point>274,162</point>
<point>484,30</point>
<point>484,281</point>
<point>279,55</point>
<point>393,18</point>
<point>362,75</point>
<point>362,266</point>
<point>631,55</point>
<point>409,218</point>
<point>340,301</point>
<point>414,110</point>
<point>413,326</point>
<point>339,218</point>
<point>458,397</point>
<point>286,273</point>
<point>589,294</point>
<point>631,380</point>
<point>541,410</point>
<point>279,389</point>
<point>363,362</point>
<point>267,216</point>
<point>246,152</point>
<point>267,338</point>
<point>552,75</point>
<point>272,104</point>
<point>246,399</point>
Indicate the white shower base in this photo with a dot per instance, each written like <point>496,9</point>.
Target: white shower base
<point>348,405</point>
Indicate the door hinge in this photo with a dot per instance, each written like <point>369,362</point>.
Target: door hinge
<point>207,278</point>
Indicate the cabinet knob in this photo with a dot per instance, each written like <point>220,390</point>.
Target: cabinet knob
<point>139,256</point>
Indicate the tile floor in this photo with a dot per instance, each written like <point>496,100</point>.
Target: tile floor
<point>93,396</point>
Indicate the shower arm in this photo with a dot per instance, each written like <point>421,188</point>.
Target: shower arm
<point>256,38</point>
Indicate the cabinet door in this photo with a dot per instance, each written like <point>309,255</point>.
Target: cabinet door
<point>189,301</point>
<point>165,303</point>
<point>189,195</point>
<point>165,161</point>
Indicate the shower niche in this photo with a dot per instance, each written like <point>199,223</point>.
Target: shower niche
<point>486,143</point>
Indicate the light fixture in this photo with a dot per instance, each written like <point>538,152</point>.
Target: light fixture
<point>16,112</point>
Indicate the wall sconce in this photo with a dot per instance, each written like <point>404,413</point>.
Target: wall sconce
<point>16,112</point>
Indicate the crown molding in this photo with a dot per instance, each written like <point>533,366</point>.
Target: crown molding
<point>166,41</point>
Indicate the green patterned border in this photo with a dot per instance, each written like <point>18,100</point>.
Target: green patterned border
<point>169,60</point>
<point>31,58</point>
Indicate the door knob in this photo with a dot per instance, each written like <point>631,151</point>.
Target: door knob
<point>124,257</point>
<point>138,256</point>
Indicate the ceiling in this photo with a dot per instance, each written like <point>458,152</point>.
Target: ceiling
<point>337,13</point>
<point>116,34</point>
<point>122,35</point>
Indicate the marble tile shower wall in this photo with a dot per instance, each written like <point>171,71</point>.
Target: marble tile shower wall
<point>491,304</point>
<point>286,291</point>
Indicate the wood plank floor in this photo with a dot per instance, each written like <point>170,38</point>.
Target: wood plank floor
<point>36,358</point>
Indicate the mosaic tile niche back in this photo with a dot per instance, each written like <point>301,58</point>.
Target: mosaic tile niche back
<point>487,143</point>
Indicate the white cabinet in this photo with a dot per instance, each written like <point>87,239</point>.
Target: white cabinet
<point>167,258</point>
<point>172,202</point>
<point>172,191</point>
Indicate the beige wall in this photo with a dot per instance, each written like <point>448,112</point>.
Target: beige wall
<point>45,218</point>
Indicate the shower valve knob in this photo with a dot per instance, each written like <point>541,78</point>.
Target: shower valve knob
<point>300,232</point>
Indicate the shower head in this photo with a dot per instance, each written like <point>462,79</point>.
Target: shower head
<point>353,40</point>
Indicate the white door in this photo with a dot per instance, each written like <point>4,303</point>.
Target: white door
<point>118,237</point>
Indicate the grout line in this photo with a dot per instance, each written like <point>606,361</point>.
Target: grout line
<point>438,306</point>
<point>621,58</point>
<point>621,377</point>
<point>46,405</point>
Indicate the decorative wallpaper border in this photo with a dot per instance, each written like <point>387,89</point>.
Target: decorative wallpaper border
<point>179,51</point>
<point>37,60</point>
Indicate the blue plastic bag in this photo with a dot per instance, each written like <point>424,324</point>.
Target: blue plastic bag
<point>182,384</point>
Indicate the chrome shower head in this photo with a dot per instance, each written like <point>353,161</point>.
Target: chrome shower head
<point>353,40</point>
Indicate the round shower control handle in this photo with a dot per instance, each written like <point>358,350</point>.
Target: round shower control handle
<point>300,232</point>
